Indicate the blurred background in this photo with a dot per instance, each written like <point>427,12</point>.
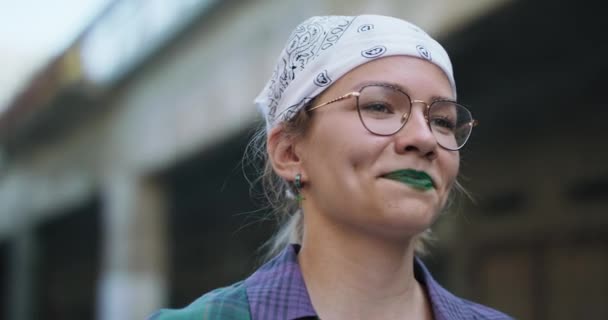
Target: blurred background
<point>123,125</point>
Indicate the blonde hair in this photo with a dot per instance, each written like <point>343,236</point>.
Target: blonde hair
<point>278,193</point>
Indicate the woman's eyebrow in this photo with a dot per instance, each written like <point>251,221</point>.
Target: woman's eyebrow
<point>442,98</point>
<point>360,85</point>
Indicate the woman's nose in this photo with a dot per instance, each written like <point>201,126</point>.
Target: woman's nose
<point>416,136</point>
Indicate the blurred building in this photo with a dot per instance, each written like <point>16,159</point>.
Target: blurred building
<point>122,190</point>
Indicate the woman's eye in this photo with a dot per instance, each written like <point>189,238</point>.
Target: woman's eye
<point>443,123</point>
<point>377,108</point>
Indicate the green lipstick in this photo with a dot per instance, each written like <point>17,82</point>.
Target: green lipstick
<point>416,179</point>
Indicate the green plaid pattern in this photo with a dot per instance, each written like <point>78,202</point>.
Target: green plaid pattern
<point>228,303</point>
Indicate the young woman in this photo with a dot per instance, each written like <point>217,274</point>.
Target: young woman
<point>362,137</point>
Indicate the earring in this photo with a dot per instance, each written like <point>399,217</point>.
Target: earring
<point>298,185</point>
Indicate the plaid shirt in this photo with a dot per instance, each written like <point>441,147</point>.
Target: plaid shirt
<point>277,291</point>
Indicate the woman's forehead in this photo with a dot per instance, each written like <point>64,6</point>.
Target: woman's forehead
<point>403,72</point>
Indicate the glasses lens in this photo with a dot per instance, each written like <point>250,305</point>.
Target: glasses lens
<point>450,123</point>
<point>383,109</point>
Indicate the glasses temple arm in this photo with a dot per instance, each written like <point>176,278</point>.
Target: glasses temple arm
<point>348,95</point>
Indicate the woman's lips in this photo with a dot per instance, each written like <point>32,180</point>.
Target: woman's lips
<point>416,179</point>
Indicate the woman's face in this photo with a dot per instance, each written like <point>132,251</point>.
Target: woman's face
<point>344,165</point>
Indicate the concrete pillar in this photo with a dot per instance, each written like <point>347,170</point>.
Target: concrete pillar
<point>133,279</point>
<point>24,253</point>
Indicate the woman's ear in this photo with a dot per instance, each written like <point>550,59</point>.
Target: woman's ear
<point>282,153</point>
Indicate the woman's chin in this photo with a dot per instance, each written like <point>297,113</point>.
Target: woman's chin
<point>397,224</point>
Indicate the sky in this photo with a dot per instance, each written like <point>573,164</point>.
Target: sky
<point>32,32</point>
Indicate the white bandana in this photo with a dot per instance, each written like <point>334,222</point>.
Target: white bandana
<point>322,49</point>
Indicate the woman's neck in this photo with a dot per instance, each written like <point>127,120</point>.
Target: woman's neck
<point>353,276</point>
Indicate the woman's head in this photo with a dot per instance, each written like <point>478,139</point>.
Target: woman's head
<point>322,49</point>
<point>354,173</point>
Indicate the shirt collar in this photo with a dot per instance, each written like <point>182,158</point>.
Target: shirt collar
<point>277,291</point>
<point>446,306</point>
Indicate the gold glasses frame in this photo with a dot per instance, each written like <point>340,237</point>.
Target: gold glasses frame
<point>472,123</point>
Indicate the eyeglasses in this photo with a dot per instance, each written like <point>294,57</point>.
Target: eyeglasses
<point>385,109</point>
